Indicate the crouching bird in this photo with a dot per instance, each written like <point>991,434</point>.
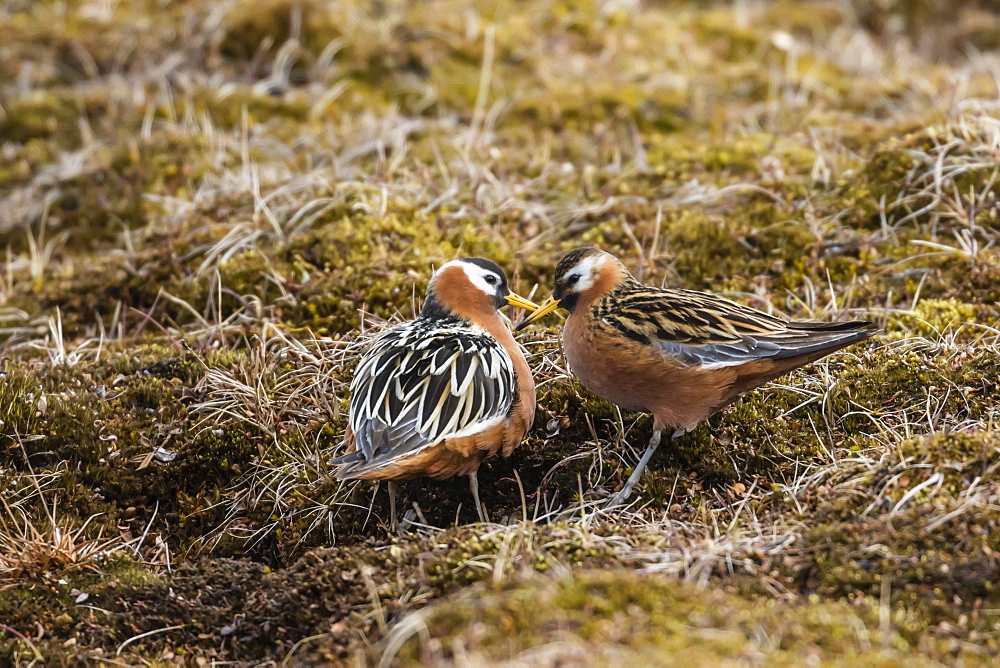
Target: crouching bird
<point>678,354</point>
<point>437,395</point>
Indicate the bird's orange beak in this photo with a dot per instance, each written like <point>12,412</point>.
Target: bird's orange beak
<point>521,302</point>
<point>546,307</point>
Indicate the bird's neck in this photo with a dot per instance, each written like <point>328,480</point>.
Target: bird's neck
<point>436,311</point>
<point>436,314</point>
<point>610,287</point>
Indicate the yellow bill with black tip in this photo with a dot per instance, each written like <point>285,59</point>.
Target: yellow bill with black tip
<point>546,307</point>
<point>521,302</point>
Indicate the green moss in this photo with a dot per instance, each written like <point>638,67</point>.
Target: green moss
<point>107,197</point>
<point>723,252</point>
<point>914,532</point>
<point>899,182</point>
<point>933,317</point>
<point>610,616</point>
<point>118,436</point>
<point>50,115</point>
<point>345,269</point>
<point>973,282</point>
<point>19,394</point>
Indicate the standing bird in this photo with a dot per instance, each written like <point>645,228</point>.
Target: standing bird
<point>678,354</point>
<point>437,395</point>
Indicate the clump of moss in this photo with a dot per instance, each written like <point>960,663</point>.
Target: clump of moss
<point>50,116</point>
<point>974,282</point>
<point>326,586</point>
<point>933,317</point>
<point>902,179</point>
<point>117,437</point>
<point>346,271</point>
<point>105,196</point>
<point>610,616</point>
<point>914,528</point>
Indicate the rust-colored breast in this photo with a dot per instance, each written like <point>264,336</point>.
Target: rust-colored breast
<point>639,377</point>
<point>523,411</point>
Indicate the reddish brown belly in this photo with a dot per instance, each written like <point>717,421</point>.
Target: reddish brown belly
<point>639,377</point>
<point>609,366</point>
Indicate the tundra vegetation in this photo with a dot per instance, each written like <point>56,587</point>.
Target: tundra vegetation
<point>208,208</point>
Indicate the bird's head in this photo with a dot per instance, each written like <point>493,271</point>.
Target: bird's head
<point>471,287</point>
<point>582,276</point>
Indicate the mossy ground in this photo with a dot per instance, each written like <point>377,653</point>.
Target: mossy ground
<point>207,208</point>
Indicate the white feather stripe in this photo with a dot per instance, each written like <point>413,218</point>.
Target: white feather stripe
<point>465,412</point>
<point>386,413</point>
<point>498,362</point>
<point>470,376</point>
<point>408,362</point>
<point>468,406</point>
<point>415,390</point>
<point>369,399</point>
<point>445,365</point>
<point>360,374</point>
<point>486,362</point>
<point>385,360</point>
<point>452,421</point>
<point>454,375</point>
<point>502,363</point>
<point>432,424</point>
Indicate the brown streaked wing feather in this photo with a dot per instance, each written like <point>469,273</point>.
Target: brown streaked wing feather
<point>704,330</point>
<point>683,316</point>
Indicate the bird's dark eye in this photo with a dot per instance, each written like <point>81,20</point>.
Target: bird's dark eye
<point>491,279</point>
<point>572,279</point>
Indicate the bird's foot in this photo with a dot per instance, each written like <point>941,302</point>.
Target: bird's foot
<point>619,498</point>
<point>626,491</point>
<point>408,520</point>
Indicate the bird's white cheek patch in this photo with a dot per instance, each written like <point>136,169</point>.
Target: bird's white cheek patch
<point>477,278</point>
<point>587,268</point>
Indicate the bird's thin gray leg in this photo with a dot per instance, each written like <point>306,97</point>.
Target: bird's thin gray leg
<point>474,488</point>
<point>393,523</point>
<point>626,491</point>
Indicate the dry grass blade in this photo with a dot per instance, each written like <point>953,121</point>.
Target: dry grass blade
<point>287,391</point>
<point>32,549</point>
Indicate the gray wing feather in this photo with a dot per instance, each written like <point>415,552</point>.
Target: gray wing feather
<point>790,343</point>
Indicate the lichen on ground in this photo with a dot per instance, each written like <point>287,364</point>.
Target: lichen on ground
<point>209,208</point>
